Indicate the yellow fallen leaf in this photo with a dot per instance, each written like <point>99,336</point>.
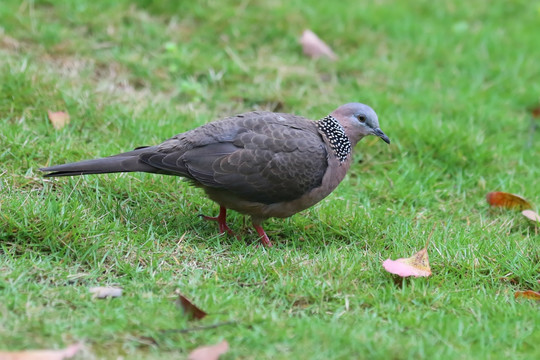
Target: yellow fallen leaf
<point>58,119</point>
<point>66,353</point>
<point>416,265</point>
<point>211,352</point>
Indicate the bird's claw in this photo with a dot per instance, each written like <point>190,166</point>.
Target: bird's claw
<point>222,224</point>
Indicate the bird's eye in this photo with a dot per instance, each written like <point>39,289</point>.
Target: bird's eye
<point>361,118</point>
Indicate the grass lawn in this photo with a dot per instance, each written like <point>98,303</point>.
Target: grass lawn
<point>453,83</point>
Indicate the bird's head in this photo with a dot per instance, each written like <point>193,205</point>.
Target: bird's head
<point>359,120</point>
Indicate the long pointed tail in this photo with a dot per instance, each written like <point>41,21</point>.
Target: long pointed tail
<point>125,162</point>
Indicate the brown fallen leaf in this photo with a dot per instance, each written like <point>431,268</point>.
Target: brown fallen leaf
<point>314,47</point>
<point>535,111</point>
<point>527,294</point>
<point>416,265</point>
<point>211,352</point>
<point>103,292</point>
<point>507,200</point>
<point>59,119</point>
<point>189,308</point>
<point>66,353</point>
<point>531,215</point>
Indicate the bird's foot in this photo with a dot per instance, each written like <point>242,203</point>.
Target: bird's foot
<point>222,222</point>
<point>223,227</point>
<point>262,236</point>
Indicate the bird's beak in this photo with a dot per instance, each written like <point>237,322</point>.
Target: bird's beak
<point>378,132</point>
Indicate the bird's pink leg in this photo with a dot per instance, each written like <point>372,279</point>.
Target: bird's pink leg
<point>222,221</point>
<point>263,237</point>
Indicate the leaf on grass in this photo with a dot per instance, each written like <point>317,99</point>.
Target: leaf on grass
<point>527,294</point>
<point>66,353</point>
<point>535,112</point>
<point>189,308</point>
<point>58,119</point>
<point>315,47</point>
<point>531,215</point>
<point>507,200</point>
<point>416,265</point>
<point>211,352</point>
<point>103,292</point>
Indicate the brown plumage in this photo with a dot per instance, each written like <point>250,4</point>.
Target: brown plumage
<point>261,164</point>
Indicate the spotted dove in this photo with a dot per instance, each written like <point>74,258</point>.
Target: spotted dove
<point>261,164</point>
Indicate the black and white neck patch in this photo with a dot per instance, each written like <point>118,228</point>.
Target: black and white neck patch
<point>339,142</point>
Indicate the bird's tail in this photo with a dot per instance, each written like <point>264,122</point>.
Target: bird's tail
<point>125,162</point>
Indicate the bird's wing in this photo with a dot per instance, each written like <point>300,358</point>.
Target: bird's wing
<point>262,157</point>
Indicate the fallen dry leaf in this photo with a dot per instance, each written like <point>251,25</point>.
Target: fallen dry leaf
<point>507,200</point>
<point>527,294</point>
<point>416,265</point>
<point>314,47</point>
<point>211,352</point>
<point>66,353</point>
<point>535,112</point>
<point>59,119</point>
<point>531,215</point>
<point>102,292</point>
<point>189,308</point>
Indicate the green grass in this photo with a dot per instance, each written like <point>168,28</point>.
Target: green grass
<point>452,83</point>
